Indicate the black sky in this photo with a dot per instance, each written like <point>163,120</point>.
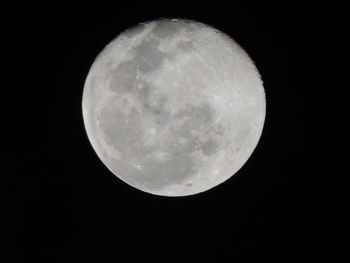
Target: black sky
<point>65,206</point>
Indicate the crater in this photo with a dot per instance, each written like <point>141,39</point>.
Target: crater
<point>159,165</point>
<point>171,171</point>
<point>173,162</point>
<point>166,28</point>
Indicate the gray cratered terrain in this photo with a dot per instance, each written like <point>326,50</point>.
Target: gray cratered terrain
<point>173,107</point>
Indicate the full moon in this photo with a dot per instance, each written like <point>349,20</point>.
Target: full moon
<point>173,107</point>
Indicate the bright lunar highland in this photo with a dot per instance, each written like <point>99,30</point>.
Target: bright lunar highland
<point>173,107</point>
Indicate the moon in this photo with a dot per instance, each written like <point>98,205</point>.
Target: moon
<point>173,107</point>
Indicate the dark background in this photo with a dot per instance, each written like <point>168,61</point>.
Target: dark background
<point>65,206</point>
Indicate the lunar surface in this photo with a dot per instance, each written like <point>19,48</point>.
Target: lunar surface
<point>173,107</point>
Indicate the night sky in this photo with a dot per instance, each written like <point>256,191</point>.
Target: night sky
<point>66,206</point>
